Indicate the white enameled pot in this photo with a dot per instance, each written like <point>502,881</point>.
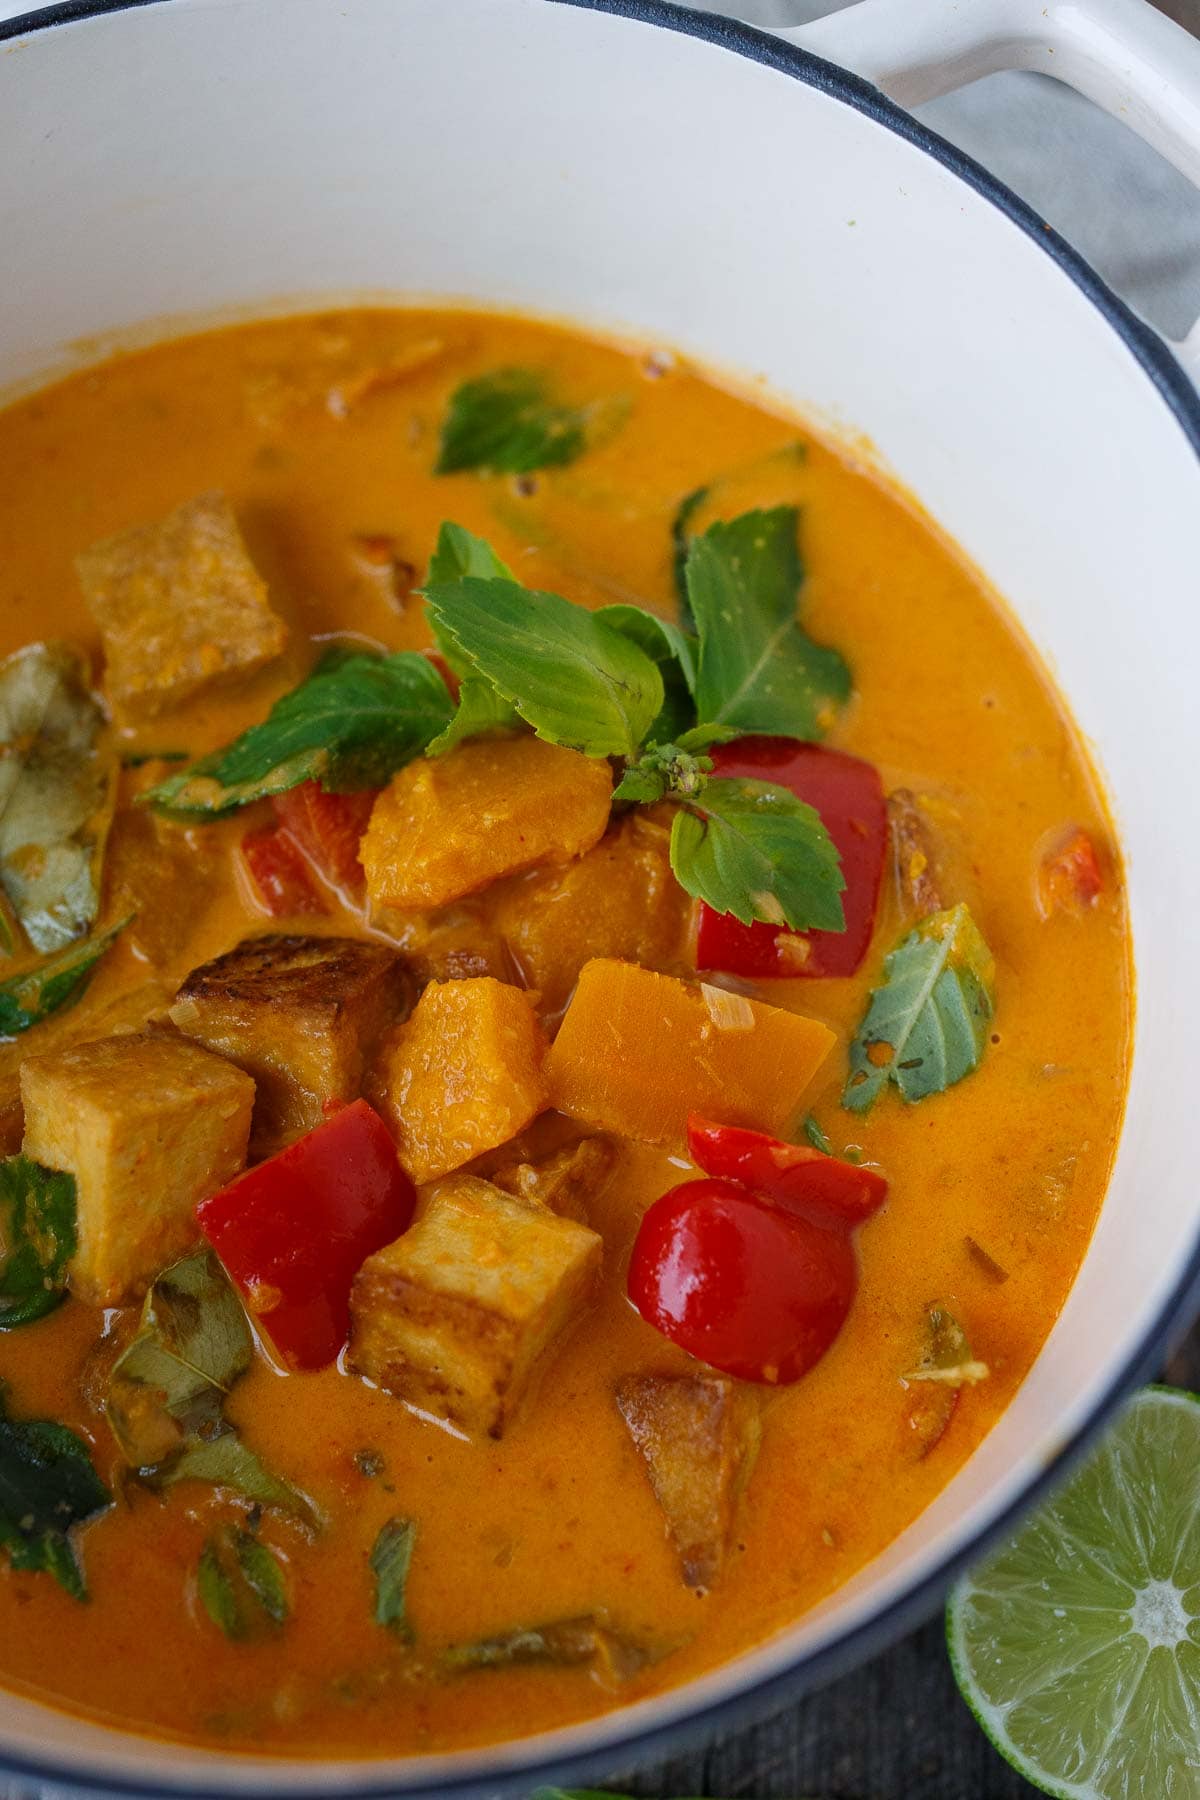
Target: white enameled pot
<point>699,184</point>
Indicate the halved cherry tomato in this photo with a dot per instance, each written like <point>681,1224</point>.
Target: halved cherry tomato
<point>1070,879</point>
<point>848,794</point>
<point>328,828</point>
<point>295,1231</point>
<point>279,874</point>
<point>801,1180</point>
<point>740,1284</point>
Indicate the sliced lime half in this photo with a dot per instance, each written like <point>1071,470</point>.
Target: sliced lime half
<point>1077,1645</point>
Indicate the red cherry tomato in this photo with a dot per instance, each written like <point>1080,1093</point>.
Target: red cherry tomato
<point>801,1180</point>
<point>748,1288</point>
<point>848,794</point>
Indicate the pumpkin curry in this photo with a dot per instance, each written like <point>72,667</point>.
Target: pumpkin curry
<point>565,996</point>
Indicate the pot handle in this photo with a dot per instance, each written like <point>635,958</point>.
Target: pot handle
<point>1128,58</point>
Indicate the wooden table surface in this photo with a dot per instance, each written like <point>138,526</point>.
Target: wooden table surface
<point>895,1729</point>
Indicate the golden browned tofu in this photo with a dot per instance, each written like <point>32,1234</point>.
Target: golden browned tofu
<point>302,1015</point>
<point>462,1076</point>
<point>454,1316</point>
<point>449,825</point>
<point>180,607</point>
<point>565,1182</point>
<point>148,1125</point>
<point>691,1433</point>
<point>620,900</point>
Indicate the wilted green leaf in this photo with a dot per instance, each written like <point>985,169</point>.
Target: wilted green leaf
<point>57,981</point>
<point>37,1207</point>
<point>391,1556</point>
<point>47,1487</point>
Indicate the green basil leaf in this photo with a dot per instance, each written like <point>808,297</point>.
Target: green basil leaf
<point>459,553</point>
<point>58,770</point>
<point>391,1556</point>
<point>218,1596</point>
<point>167,1390</point>
<point>509,423</point>
<point>263,1574</point>
<point>567,1642</point>
<point>757,669</point>
<point>47,1487</point>
<point>926,1027</point>
<point>480,709</point>
<point>351,725</point>
<point>675,653</point>
<point>819,1139</point>
<point>681,543</point>
<point>752,849</point>
<point>58,981</point>
<point>37,1207</point>
<point>570,676</point>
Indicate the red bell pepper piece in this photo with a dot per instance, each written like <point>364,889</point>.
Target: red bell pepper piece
<point>848,794</point>
<point>740,1284</point>
<point>1070,879</point>
<point>793,1176</point>
<point>328,828</point>
<point>279,875</point>
<point>295,1231</point>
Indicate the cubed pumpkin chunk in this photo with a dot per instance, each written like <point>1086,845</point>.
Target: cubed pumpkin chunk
<point>180,608</point>
<point>303,1015</point>
<point>691,1432</point>
<point>637,1051</point>
<point>463,1075</point>
<point>447,826</point>
<point>454,1316</point>
<point>148,1125</point>
<point>620,900</point>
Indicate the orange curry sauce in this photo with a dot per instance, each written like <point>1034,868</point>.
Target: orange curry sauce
<point>316,449</point>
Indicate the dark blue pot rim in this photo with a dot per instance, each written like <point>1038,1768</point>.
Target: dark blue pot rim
<point>761,1698</point>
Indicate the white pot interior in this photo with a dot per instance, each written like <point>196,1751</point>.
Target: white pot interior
<point>193,156</point>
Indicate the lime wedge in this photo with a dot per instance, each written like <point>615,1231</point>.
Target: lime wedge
<point>1077,1645</point>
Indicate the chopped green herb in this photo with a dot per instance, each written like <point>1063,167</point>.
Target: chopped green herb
<point>370,1464</point>
<point>459,554</point>
<point>754,850</point>
<point>926,1027</point>
<point>240,1583</point>
<point>48,1486</point>
<point>757,669</point>
<point>217,1594</point>
<point>992,1269</point>
<point>166,1393</point>
<point>351,725</point>
<point>816,1137</point>
<point>37,1211</point>
<point>509,423</point>
<point>391,1556</point>
<point>56,982</point>
<point>567,1642</point>
<point>57,786</point>
<point>574,679</point>
<point>262,1572</point>
<point>664,770</point>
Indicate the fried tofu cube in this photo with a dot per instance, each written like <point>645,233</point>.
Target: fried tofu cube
<point>180,608</point>
<point>450,825</point>
<point>453,1317</point>
<point>148,1124</point>
<point>303,1016</point>
<point>620,900</point>
<point>692,1434</point>
<point>462,1076</point>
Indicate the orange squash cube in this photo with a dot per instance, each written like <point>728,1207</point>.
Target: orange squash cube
<point>463,1075</point>
<point>447,826</point>
<point>638,1051</point>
